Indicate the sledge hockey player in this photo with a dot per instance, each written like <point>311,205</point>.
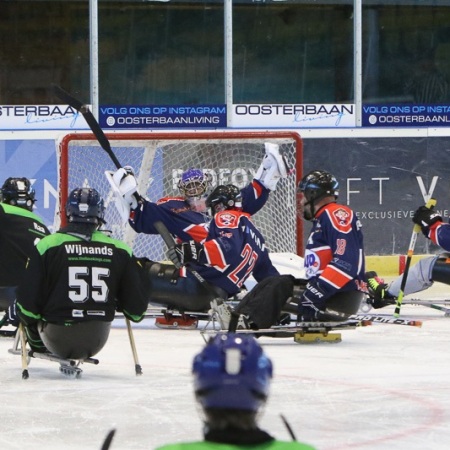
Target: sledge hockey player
<point>334,263</point>
<point>232,251</point>
<point>185,216</point>
<point>77,281</point>
<point>231,383</point>
<point>20,230</point>
<point>422,275</point>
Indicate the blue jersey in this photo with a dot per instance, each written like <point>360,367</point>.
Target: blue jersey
<point>233,250</point>
<point>439,233</point>
<point>185,223</point>
<point>334,252</point>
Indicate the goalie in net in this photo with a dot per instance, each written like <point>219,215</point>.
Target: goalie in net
<point>185,216</point>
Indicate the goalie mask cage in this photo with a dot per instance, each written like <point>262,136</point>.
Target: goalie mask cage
<point>158,160</point>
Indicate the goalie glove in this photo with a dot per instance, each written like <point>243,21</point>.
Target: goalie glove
<point>124,186</point>
<point>185,252</point>
<point>127,185</point>
<point>272,168</point>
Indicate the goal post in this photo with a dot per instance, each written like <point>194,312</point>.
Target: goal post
<point>159,158</point>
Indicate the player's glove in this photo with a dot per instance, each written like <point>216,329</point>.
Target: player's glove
<point>312,303</point>
<point>126,182</point>
<point>185,252</point>
<point>426,218</point>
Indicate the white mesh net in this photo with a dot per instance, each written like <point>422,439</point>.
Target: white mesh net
<point>158,163</point>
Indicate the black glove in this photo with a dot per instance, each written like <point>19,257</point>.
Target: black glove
<point>426,217</point>
<point>185,253</point>
<point>312,303</point>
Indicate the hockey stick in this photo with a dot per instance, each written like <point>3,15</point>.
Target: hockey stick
<point>387,320</point>
<point>108,439</point>
<point>289,428</point>
<point>137,366</point>
<point>122,206</point>
<point>416,230</point>
<point>23,343</point>
<point>429,304</point>
<point>90,119</point>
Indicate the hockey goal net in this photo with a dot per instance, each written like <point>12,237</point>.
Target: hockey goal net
<point>158,160</point>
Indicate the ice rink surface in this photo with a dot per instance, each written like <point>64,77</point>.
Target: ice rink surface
<point>382,387</point>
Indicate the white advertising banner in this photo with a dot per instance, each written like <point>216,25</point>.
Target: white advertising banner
<point>41,117</point>
<point>293,116</point>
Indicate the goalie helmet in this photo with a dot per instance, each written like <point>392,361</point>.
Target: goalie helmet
<point>314,186</point>
<point>85,205</point>
<point>194,186</point>
<point>193,183</point>
<point>232,372</point>
<point>224,197</point>
<point>18,192</point>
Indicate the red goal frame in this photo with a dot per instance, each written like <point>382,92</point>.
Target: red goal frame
<point>176,135</point>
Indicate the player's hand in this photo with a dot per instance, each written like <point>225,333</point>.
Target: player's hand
<point>189,251</point>
<point>185,252</point>
<point>426,218</point>
<point>312,303</point>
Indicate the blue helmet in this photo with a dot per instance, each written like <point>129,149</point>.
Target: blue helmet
<point>85,205</point>
<point>194,183</point>
<point>232,372</point>
<point>18,192</point>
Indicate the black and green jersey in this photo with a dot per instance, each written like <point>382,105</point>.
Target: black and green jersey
<point>20,231</point>
<point>72,279</point>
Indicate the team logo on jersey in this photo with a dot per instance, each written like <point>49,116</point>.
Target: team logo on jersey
<point>341,219</point>
<point>342,216</point>
<point>226,220</point>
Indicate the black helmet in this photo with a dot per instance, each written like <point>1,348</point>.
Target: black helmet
<point>85,205</point>
<point>224,197</point>
<point>18,192</point>
<point>316,185</point>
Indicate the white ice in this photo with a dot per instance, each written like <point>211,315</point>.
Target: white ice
<point>382,387</point>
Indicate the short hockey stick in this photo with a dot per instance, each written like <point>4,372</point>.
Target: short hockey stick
<point>416,230</point>
<point>137,366</point>
<point>386,320</point>
<point>288,427</point>
<point>433,304</point>
<point>108,439</point>
<point>90,119</point>
<point>23,343</point>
